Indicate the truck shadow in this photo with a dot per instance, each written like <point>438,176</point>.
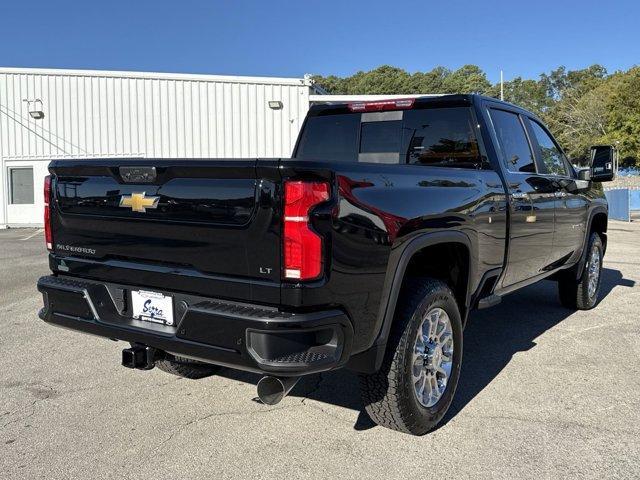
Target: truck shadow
<point>492,338</point>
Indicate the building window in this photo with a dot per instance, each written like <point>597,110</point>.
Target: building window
<point>21,186</point>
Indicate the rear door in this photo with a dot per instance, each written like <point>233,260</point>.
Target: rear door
<point>570,203</point>
<point>531,197</point>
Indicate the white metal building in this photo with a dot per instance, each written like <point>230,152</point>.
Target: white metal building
<point>89,114</point>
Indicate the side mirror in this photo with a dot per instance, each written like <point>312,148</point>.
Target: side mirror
<point>584,174</point>
<point>604,163</point>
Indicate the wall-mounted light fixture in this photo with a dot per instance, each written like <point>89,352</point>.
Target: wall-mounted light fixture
<point>275,105</point>
<point>35,108</point>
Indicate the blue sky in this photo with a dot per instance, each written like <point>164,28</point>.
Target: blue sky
<point>277,38</point>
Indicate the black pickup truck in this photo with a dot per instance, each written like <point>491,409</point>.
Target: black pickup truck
<point>366,250</point>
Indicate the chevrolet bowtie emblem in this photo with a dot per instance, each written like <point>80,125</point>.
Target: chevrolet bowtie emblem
<point>138,202</point>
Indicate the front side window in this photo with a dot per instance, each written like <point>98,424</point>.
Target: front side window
<point>552,157</point>
<point>513,141</point>
<point>442,137</point>
<point>21,186</point>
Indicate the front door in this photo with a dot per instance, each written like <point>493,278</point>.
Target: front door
<point>531,196</point>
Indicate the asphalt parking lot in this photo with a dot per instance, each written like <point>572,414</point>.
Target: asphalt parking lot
<point>545,393</point>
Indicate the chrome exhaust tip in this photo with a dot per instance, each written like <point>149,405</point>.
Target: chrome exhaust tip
<point>271,390</point>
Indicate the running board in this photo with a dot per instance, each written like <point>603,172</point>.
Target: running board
<point>490,301</point>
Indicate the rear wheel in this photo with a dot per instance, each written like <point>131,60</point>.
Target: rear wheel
<point>582,293</point>
<point>416,383</point>
<point>185,367</point>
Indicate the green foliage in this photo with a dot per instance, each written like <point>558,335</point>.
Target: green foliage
<point>467,79</point>
<point>581,107</point>
<point>529,94</point>
<point>623,115</point>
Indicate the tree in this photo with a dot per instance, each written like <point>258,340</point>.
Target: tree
<point>382,80</point>
<point>467,79</point>
<point>558,81</point>
<point>579,121</point>
<point>582,107</point>
<point>528,94</point>
<point>331,84</point>
<point>430,82</point>
<point>391,80</point>
<point>623,115</point>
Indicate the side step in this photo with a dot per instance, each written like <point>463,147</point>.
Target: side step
<point>490,301</point>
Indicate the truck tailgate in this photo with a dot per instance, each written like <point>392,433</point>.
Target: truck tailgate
<point>195,218</point>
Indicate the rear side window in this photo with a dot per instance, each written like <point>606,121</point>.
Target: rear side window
<point>513,141</point>
<point>442,137</point>
<point>552,157</point>
<point>330,137</point>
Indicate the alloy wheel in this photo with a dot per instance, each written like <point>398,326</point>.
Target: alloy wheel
<point>432,357</point>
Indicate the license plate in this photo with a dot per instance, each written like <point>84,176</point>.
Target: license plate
<point>152,307</point>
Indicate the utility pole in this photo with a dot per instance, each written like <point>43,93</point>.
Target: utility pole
<point>501,86</point>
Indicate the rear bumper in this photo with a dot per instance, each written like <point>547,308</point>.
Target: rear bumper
<point>247,337</point>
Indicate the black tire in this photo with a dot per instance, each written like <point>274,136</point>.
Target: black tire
<point>185,367</point>
<point>388,395</point>
<point>574,293</point>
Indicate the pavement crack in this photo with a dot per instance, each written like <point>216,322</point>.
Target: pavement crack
<point>20,419</point>
<point>335,417</point>
<point>197,420</point>
<point>32,406</point>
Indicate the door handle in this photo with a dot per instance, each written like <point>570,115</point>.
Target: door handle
<point>520,195</point>
<point>560,194</point>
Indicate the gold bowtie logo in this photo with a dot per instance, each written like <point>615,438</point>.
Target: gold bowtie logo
<point>138,202</point>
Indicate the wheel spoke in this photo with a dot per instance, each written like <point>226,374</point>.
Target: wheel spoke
<point>428,391</point>
<point>442,371</point>
<point>593,271</point>
<point>447,347</point>
<point>435,391</point>
<point>444,336</point>
<point>418,367</point>
<point>425,328</point>
<point>434,319</point>
<point>419,386</point>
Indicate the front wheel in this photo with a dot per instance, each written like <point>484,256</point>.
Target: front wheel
<point>416,383</point>
<point>582,293</point>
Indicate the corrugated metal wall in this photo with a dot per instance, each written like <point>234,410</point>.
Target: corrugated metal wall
<point>89,115</point>
<point>93,114</point>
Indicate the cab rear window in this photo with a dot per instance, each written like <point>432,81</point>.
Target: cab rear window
<point>330,138</point>
<point>431,136</point>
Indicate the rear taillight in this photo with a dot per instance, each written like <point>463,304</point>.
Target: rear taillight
<point>399,104</point>
<point>47,213</point>
<point>302,247</point>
